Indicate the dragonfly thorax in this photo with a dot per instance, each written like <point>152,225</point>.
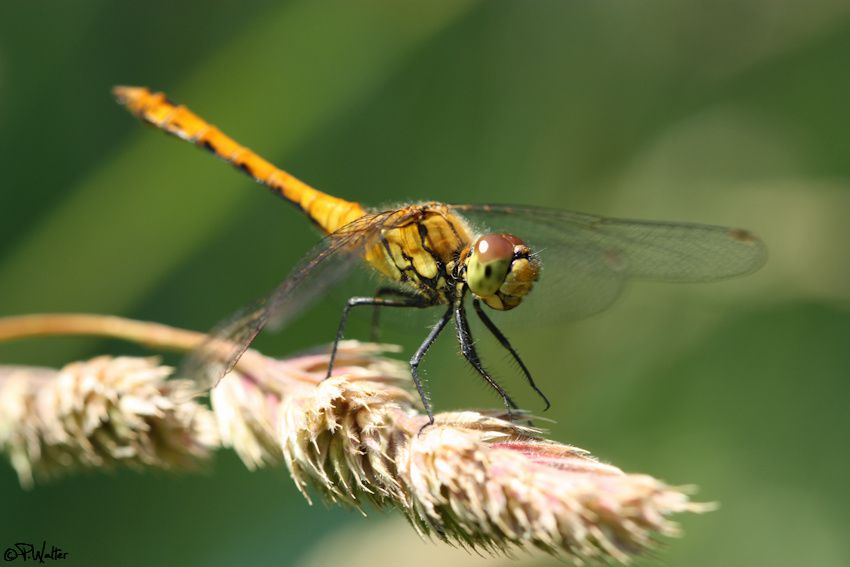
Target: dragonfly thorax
<point>500,270</point>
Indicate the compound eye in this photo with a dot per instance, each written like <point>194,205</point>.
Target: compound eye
<point>489,263</point>
<point>494,247</point>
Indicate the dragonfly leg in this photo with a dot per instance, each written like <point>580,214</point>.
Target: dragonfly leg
<point>374,331</point>
<point>467,347</point>
<point>412,301</point>
<point>417,358</point>
<point>507,345</point>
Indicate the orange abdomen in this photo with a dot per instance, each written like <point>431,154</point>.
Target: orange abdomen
<point>327,212</point>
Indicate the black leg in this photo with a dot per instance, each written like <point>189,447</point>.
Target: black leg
<point>464,336</point>
<point>374,331</point>
<point>504,342</point>
<point>413,301</point>
<point>420,354</point>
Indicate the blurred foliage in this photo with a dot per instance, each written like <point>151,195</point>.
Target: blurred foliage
<point>730,113</point>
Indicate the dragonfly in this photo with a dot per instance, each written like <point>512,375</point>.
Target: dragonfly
<point>433,254</point>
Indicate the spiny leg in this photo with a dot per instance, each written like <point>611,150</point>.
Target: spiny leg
<point>374,331</point>
<point>413,301</point>
<point>507,345</point>
<point>420,354</point>
<point>464,336</point>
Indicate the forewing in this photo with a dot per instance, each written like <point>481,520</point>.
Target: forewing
<point>586,259</point>
<point>323,267</point>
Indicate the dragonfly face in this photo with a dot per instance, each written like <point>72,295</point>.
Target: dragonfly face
<point>500,270</point>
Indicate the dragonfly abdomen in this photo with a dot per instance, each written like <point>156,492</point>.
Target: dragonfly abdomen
<point>327,212</point>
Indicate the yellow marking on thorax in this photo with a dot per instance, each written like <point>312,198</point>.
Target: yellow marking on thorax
<point>415,259</point>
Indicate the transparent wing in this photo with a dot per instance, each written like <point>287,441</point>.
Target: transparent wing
<point>587,259</point>
<point>323,267</point>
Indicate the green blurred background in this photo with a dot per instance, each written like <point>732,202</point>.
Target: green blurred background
<point>726,112</point>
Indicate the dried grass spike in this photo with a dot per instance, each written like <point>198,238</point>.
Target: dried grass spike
<point>473,479</point>
<point>99,413</point>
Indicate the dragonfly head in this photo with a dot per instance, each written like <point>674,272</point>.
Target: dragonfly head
<point>500,270</point>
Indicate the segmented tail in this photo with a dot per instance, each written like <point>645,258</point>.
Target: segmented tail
<point>328,212</point>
